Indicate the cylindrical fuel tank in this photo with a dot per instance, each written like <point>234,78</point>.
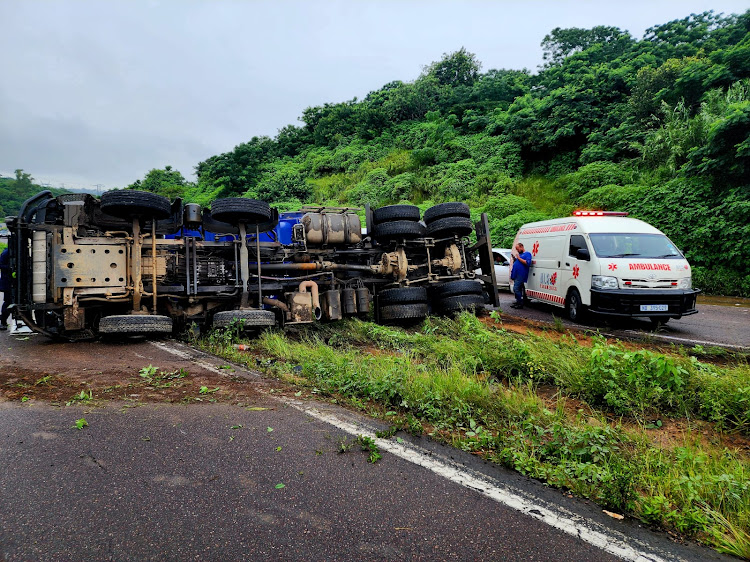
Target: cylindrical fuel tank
<point>332,228</point>
<point>363,300</point>
<point>193,213</point>
<point>349,301</point>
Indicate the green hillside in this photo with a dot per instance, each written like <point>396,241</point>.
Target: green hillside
<point>14,191</point>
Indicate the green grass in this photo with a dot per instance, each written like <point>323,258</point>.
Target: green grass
<point>477,387</point>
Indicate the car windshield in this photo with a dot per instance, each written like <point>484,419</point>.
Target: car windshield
<point>654,246</point>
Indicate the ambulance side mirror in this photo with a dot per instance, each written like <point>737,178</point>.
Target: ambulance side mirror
<point>583,254</point>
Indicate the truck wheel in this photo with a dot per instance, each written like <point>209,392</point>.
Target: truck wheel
<point>128,203</point>
<point>233,210</point>
<point>455,304</point>
<point>395,213</point>
<point>393,313</point>
<point>398,230</point>
<point>135,324</point>
<point>460,287</point>
<point>448,226</point>
<point>403,295</point>
<point>251,318</point>
<point>443,210</point>
<point>574,306</point>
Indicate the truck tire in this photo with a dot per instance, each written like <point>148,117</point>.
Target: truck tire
<point>395,213</point>
<point>251,318</point>
<point>574,307</point>
<point>460,287</point>
<point>403,295</point>
<point>234,210</point>
<point>398,230</point>
<point>405,312</point>
<point>443,210</point>
<point>135,324</point>
<point>128,204</point>
<point>448,226</point>
<point>453,305</point>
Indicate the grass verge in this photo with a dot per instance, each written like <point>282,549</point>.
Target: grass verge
<point>471,383</point>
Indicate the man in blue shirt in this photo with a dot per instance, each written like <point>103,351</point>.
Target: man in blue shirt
<point>520,274</point>
<point>5,286</point>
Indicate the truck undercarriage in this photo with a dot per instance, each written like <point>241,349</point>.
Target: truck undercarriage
<point>136,263</point>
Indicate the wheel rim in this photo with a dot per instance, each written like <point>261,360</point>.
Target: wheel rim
<point>573,306</point>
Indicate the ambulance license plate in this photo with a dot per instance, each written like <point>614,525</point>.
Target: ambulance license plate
<point>654,308</point>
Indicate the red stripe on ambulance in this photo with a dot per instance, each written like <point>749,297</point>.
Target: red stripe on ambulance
<point>650,266</point>
<point>552,228</point>
<point>545,297</point>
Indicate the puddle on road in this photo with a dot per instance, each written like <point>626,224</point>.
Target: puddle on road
<point>738,302</point>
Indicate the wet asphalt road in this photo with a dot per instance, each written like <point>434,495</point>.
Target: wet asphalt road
<point>186,482</point>
<point>724,326</point>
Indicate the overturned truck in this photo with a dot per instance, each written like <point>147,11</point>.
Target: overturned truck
<point>136,263</point>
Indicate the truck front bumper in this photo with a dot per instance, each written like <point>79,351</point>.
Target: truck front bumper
<point>628,302</point>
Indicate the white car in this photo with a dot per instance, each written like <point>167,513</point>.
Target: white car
<point>501,256</point>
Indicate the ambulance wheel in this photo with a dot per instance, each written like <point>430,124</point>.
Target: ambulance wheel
<point>658,321</point>
<point>574,306</point>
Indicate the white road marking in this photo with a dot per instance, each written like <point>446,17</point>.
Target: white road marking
<point>687,340</point>
<point>609,540</point>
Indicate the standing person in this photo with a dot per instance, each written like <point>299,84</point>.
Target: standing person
<point>5,284</point>
<point>520,274</point>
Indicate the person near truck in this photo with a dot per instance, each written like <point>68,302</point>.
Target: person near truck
<point>519,274</point>
<point>5,285</point>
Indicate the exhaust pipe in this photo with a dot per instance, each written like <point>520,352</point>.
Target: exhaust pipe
<point>313,286</point>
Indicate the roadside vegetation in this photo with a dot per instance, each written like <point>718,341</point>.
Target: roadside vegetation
<point>660,436</point>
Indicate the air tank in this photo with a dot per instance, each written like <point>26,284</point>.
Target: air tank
<point>332,228</point>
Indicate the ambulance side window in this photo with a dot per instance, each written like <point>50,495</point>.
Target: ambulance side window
<point>577,242</point>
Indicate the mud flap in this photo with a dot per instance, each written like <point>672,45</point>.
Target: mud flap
<point>483,248</point>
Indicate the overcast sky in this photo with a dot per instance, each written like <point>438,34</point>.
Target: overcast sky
<point>100,92</point>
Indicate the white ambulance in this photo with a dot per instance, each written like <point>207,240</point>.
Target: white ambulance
<point>605,263</point>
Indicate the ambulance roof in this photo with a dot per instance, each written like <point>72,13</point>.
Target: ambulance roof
<point>589,225</point>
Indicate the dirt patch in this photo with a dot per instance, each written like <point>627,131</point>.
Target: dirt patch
<point>177,385</point>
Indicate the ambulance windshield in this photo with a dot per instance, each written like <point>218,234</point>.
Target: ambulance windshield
<point>654,246</point>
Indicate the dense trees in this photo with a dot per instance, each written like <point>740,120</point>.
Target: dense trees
<point>14,191</point>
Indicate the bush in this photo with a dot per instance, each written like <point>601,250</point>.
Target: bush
<point>372,189</point>
<point>503,231</point>
<point>591,176</point>
<point>628,381</point>
<point>612,197</point>
<point>400,187</point>
<point>717,280</point>
<point>458,183</point>
<point>280,182</point>
<point>502,207</point>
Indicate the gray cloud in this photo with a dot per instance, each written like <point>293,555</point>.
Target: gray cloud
<point>101,92</point>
